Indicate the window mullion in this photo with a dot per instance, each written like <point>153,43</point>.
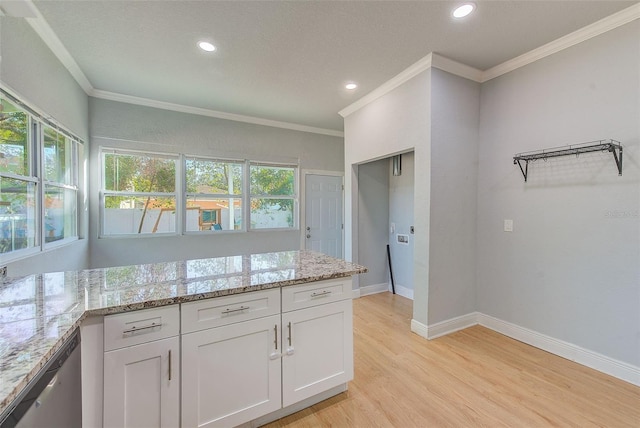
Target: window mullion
<point>180,188</point>
<point>38,151</point>
<point>246,200</point>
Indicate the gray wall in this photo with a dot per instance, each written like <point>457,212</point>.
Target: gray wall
<point>120,125</point>
<point>31,70</point>
<point>397,122</point>
<point>401,189</point>
<point>571,267</point>
<point>454,169</point>
<point>373,221</point>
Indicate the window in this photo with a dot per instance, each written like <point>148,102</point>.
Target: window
<point>214,194</point>
<point>139,193</point>
<point>38,180</point>
<point>273,196</point>
<point>60,159</point>
<point>17,182</point>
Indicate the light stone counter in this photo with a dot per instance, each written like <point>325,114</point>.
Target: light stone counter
<point>39,312</point>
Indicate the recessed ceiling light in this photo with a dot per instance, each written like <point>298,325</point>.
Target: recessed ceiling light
<point>351,86</point>
<point>464,10</point>
<point>206,46</point>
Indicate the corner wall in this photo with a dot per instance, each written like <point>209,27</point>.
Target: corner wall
<point>397,122</point>
<point>31,70</point>
<point>571,267</point>
<point>455,104</point>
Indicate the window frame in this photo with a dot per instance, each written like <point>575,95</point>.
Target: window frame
<point>104,193</point>
<point>294,197</point>
<point>73,186</point>
<point>36,123</point>
<point>239,196</point>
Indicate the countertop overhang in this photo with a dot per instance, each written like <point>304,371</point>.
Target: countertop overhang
<point>38,313</point>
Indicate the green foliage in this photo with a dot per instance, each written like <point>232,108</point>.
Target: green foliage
<point>14,150</point>
<point>212,177</point>
<point>132,173</point>
<point>57,149</point>
<point>272,181</point>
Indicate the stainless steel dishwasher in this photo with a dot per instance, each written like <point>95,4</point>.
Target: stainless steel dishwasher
<point>53,399</point>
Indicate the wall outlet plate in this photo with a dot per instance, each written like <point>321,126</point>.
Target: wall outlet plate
<point>403,239</point>
<point>508,225</point>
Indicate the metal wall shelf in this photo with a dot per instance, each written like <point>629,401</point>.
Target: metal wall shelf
<point>611,146</point>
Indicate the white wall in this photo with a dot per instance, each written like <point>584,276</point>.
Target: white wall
<point>120,125</point>
<point>30,69</point>
<point>373,220</point>
<point>455,106</point>
<point>401,190</point>
<point>571,267</point>
<point>395,123</point>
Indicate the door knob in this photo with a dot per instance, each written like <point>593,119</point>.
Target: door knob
<point>308,227</point>
<point>308,235</point>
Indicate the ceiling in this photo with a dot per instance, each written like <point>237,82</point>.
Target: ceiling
<point>288,61</point>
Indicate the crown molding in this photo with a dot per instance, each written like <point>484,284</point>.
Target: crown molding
<point>389,85</point>
<point>459,69</point>
<point>42,28</point>
<point>147,102</point>
<point>434,60</point>
<point>606,24</point>
<point>429,61</point>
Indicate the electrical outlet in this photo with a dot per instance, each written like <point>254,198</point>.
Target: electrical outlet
<point>3,272</point>
<point>403,239</point>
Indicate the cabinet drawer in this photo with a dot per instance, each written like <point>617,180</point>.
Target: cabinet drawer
<point>315,293</point>
<point>219,311</point>
<point>134,328</point>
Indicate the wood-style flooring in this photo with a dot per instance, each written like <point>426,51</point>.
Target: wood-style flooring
<point>471,378</point>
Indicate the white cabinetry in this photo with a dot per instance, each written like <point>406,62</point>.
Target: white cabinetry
<point>244,357</point>
<point>142,369</point>
<point>317,323</point>
<point>231,373</point>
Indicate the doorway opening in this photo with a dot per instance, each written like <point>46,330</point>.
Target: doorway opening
<point>385,217</point>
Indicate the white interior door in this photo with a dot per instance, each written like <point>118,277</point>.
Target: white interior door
<point>323,214</point>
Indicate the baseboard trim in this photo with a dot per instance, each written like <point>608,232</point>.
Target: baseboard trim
<point>404,291</point>
<point>418,328</point>
<point>618,369</point>
<point>452,325</point>
<point>373,289</point>
<point>602,363</point>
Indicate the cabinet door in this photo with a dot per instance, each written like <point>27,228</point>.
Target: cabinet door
<point>318,350</point>
<point>231,374</point>
<point>142,385</point>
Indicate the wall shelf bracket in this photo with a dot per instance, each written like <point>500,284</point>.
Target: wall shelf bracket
<point>612,146</point>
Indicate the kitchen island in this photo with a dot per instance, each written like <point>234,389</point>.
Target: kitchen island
<point>38,313</point>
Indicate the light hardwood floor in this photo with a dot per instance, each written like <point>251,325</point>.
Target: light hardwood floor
<point>471,378</point>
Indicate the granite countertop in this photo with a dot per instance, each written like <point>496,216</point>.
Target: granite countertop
<point>39,312</point>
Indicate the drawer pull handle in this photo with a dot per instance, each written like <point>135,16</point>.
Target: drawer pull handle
<point>241,308</point>
<point>275,330</point>
<point>134,328</point>
<point>321,294</point>
<point>169,364</point>
<point>289,334</point>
